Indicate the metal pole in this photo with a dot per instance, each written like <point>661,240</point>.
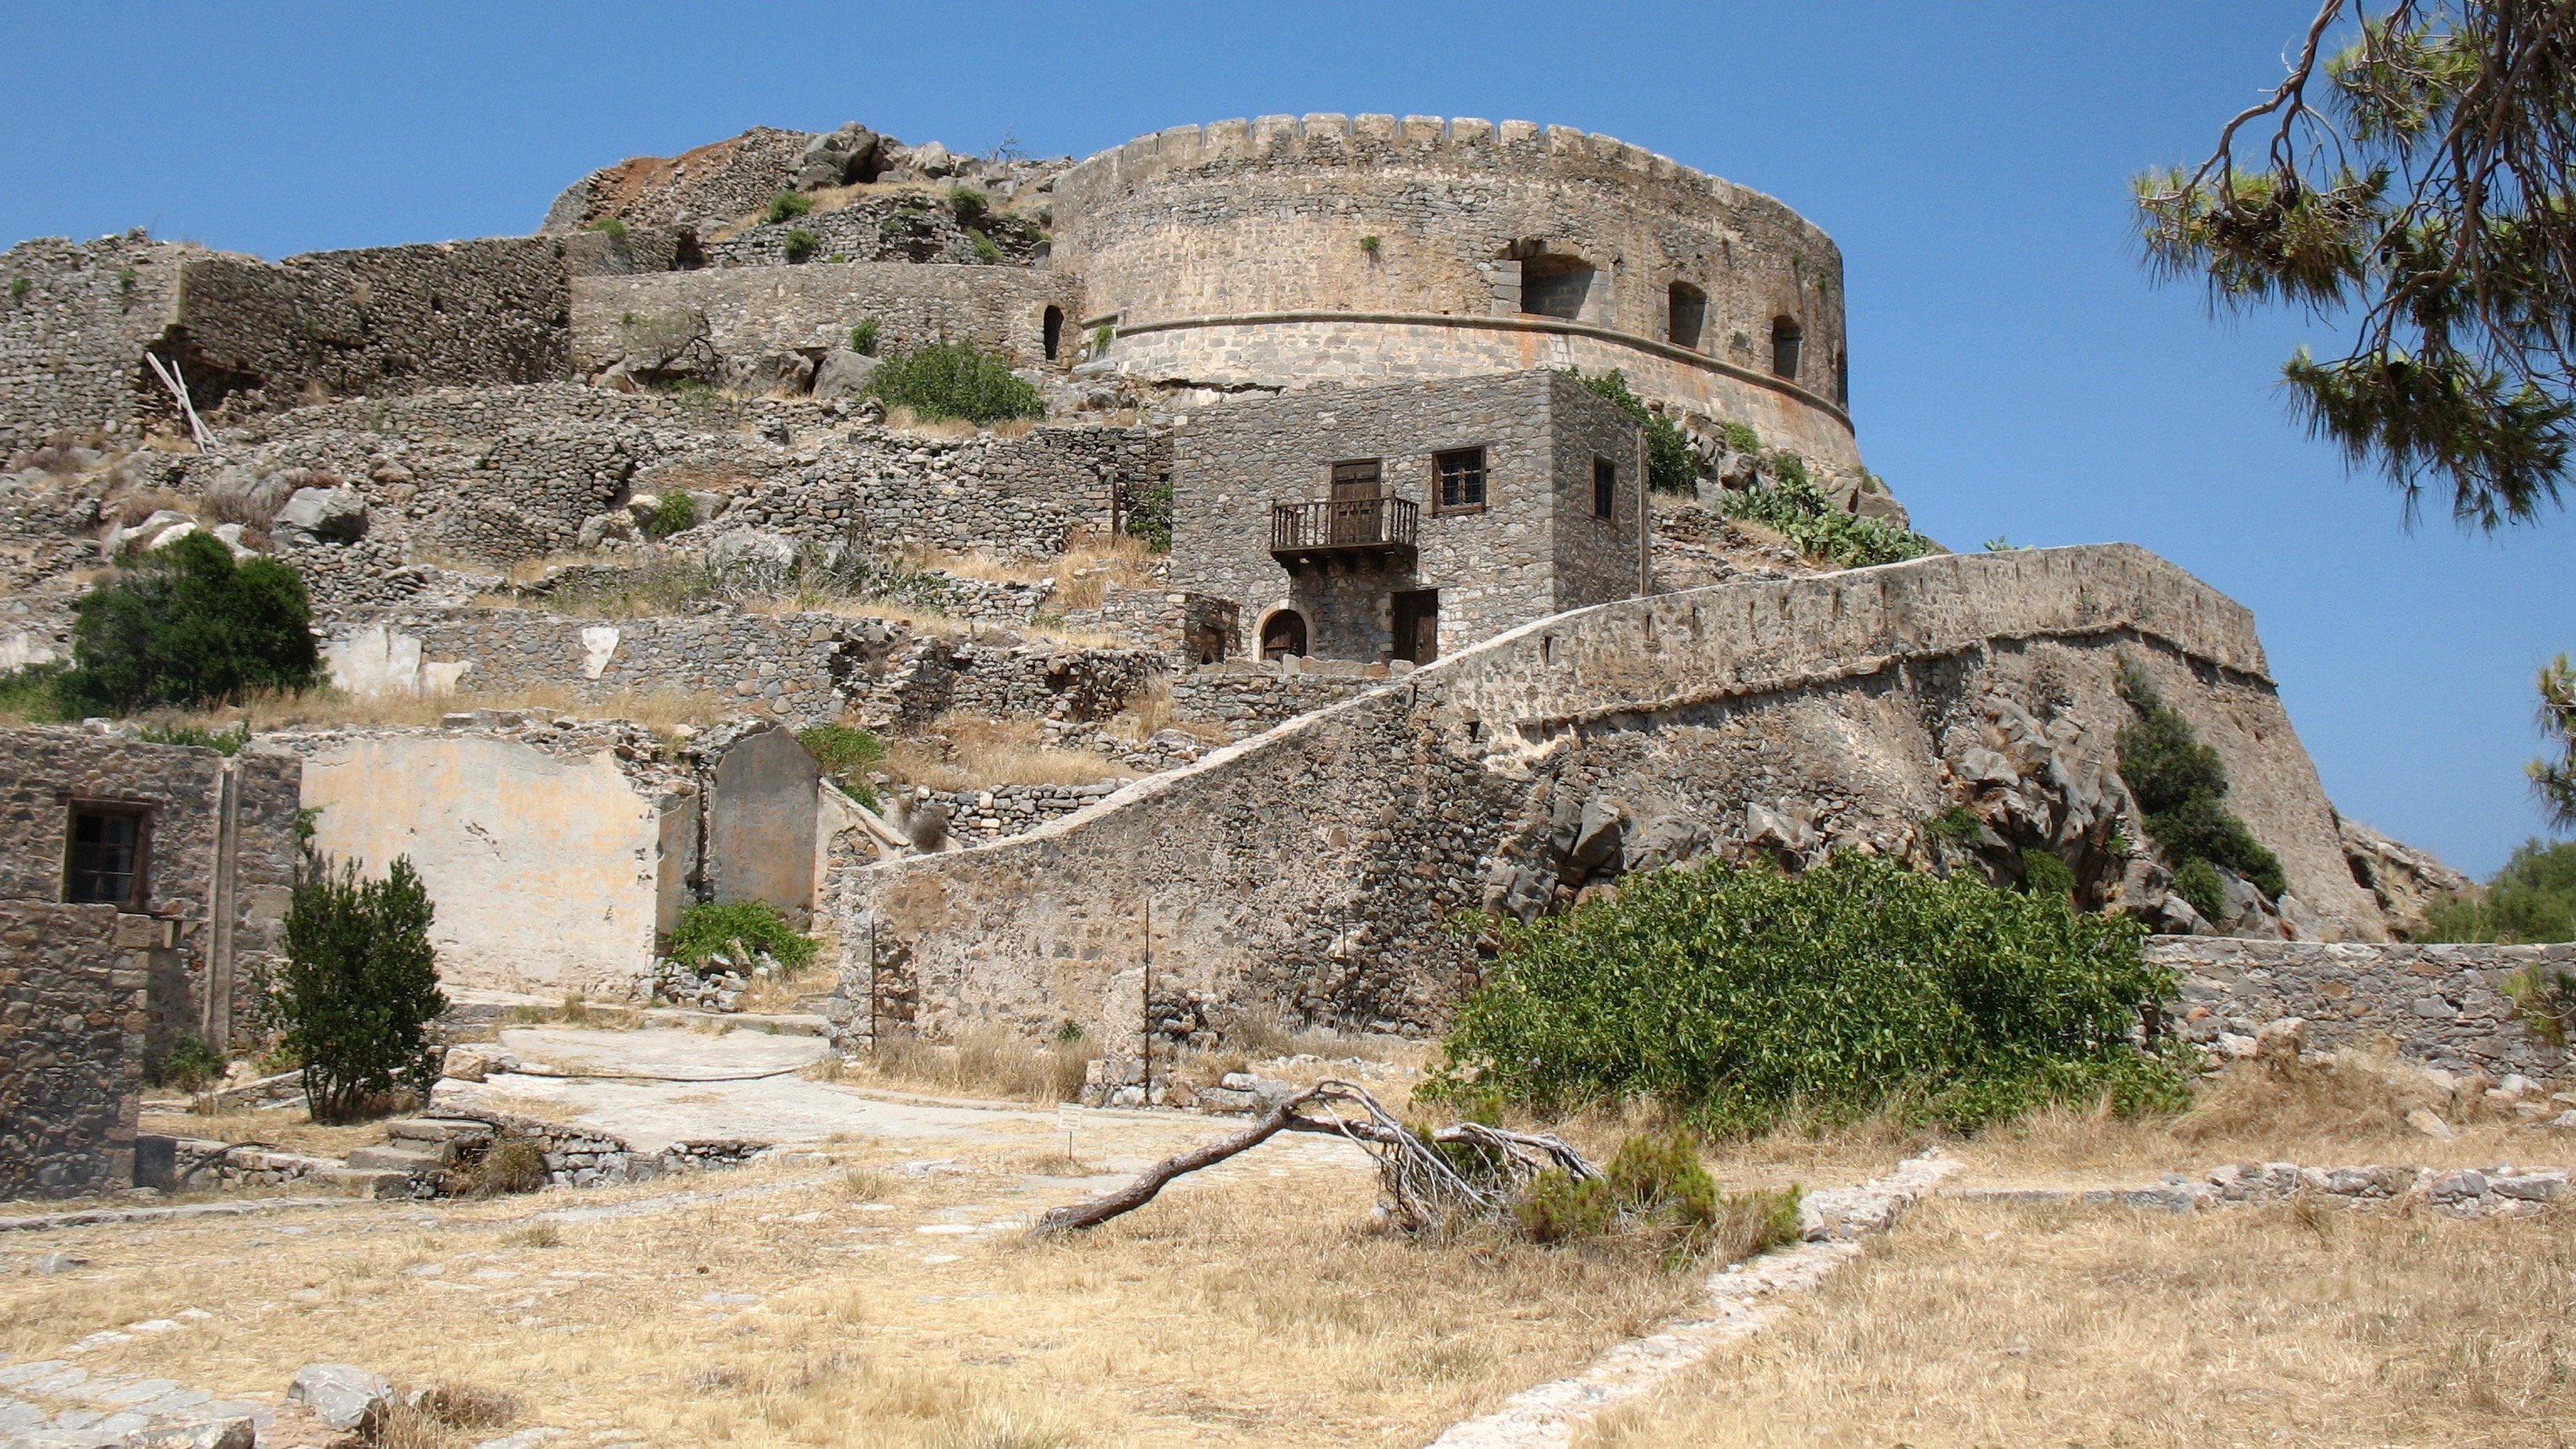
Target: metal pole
<point>1149,1001</point>
<point>872,983</point>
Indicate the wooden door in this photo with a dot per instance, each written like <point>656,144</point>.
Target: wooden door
<point>1417,625</point>
<point>1355,493</point>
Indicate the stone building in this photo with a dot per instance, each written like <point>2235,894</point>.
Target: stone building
<point>1409,519</point>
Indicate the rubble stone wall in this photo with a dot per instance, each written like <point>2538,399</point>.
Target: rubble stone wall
<point>71,1049</point>
<point>1241,241</point>
<point>752,311</point>
<point>75,319</point>
<point>1316,868</point>
<point>2443,1005</point>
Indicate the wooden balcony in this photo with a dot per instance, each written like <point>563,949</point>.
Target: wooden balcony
<point>1352,530</point>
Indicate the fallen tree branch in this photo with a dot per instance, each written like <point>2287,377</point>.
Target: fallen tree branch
<point>1140,1192</point>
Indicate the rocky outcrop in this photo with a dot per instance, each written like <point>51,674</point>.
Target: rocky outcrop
<point>2405,881</point>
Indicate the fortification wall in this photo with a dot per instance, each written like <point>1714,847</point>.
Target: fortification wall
<point>751,311</point>
<point>1285,248</point>
<point>71,1063</point>
<point>2442,1005</point>
<point>75,318</point>
<point>1315,868</point>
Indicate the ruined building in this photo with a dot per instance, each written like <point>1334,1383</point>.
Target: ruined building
<point>1415,637</point>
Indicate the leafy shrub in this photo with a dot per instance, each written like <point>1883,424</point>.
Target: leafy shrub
<point>1370,244</point>
<point>1149,515</point>
<point>843,753</point>
<point>1655,1188</point>
<point>189,1066</point>
<point>2180,784</point>
<point>1737,994</point>
<point>967,204</point>
<point>1741,438</point>
<point>1101,337</point>
<point>359,984</point>
<point>2545,996</point>
<point>787,206</point>
<point>863,339</point>
<point>1669,465</point>
<point>799,244</point>
<point>2532,899</point>
<point>2043,873</point>
<point>707,929</point>
<point>1557,1207</point>
<point>611,228</point>
<point>508,1163</point>
<point>33,692</point>
<point>1801,513</point>
<point>953,380</point>
<point>227,742</point>
<point>19,287</point>
<point>190,626</point>
<point>986,249</point>
<point>2197,882</point>
<point>674,512</point>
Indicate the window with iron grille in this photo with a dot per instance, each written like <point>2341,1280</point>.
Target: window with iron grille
<point>104,862</point>
<point>1605,487</point>
<point>1462,479</point>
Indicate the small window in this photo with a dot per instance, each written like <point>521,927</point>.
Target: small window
<point>1786,337</point>
<point>1605,487</point>
<point>104,865</point>
<point>1555,286</point>
<point>1686,311</point>
<point>1842,378</point>
<point>1462,479</point>
<point>1054,325</point>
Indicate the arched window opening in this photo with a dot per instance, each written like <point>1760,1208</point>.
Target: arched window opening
<point>1283,634</point>
<point>1555,286</point>
<point>1054,332</point>
<point>1786,338</point>
<point>1685,314</point>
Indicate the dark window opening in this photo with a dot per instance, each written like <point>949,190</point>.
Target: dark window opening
<point>1685,315</point>
<point>1283,634</point>
<point>1417,625</point>
<point>1842,377</point>
<point>1605,487</point>
<point>1054,332</point>
<point>1786,337</point>
<point>1462,478</point>
<point>1555,286</point>
<point>104,865</point>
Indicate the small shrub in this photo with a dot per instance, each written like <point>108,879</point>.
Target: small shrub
<point>863,339</point>
<point>1370,244</point>
<point>705,929</point>
<point>844,753</point>
<point>1557,1208</point>
<point>1958,825</point>
<point>1741,438</point>
<point>228,742</point>
<point>954,380</point>
<point>190,626</point>
<point>33,693</point>
<point>2180,785</point>
<point>799,244</point>
<point>19,287</point>
<point>787,206</point>
<point>675,512</point>
<point>2545,996</point>
<point>1800,512</point>
<point>189,1066</point>
<point>1149,515</point>
<point>968,205</point>
<point>1736,994</point>
<point>611,228</point>
<point>509,1163</point>
<point>2197,882</point>
<point>986,249</point>
<point>2043,873</point>
<point>1670,468</point>
<point>1101,337</point>
<point>534,1235</point>
<point>359,985</point>
<point>461,1406</point>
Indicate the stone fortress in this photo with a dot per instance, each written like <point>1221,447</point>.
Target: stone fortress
<point>1421,641</point>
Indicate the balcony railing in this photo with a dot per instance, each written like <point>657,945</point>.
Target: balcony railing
<point>1343,526</point>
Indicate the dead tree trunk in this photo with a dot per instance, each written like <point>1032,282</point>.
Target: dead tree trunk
<point>1140,1192</point>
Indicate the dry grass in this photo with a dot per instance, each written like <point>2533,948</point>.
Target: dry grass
<point>288,1129</point>
<point>987,1062</point>
<point>1982,1324</point>
<point>981,753</point>
<point>657,710</point>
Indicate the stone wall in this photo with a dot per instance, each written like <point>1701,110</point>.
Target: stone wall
<point>2444,1006</point>
<point>1532,549</point>
<point>918,226</point>
<point>71,1049</point>
<point>1019,496</point>
<point>1246,696</point>
<point>1283,248</point>
<point>75,318</point>
<point>1315,869</point>
<point>219,857</point>
<point>754,311</point>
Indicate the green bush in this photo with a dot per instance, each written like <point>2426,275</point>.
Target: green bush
<point>2197,881</point>
<point>33,692</point>
<point>844,753</point>
<point>1656,1189</point>
<point>1149,515</point>
<point>359,984</point>
<point>707,929</point>
<point>189,1066</point>
<point>2545,996</point>
<point>953,380</point>
<point>787,206</point>
<point>1741,438</point>
<point>863,339</point>
<point>800,244</point>
<point>674,512</point>
<point>227,742</point>
<point>1738,995</point>
<point>1799,512</point>
<point>986,249</point>
<point>2043,873</point>
<point>2533,899</point>
<point>1669,465</point>
<point>19,287</point>
<point>611,228</point>
<point>1557,1207</point>
<point>189,626</point>
<point>968,205</point>
<point>2180,785</point>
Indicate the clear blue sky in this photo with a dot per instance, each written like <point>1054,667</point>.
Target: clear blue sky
<point>2012,372</point>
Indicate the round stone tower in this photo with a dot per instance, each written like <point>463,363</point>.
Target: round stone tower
<point>1285,250</point>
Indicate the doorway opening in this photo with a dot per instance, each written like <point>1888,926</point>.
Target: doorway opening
<point>1417,625</point>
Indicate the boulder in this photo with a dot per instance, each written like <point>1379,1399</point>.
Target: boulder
<point>932,160</point>
<point>315,515</point>
<point>843,376</point>
<point>343,1395</point>
<point>147,534</point>
<point>599,528</point>
<point>838,157</point>
<point>774,372</point>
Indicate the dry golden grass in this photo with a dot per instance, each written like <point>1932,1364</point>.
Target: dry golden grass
<point>1978,1324</point>
<point>289,1129</point>
<point>657,710</point>
<point>982,753</point>
<point>987,1062</point>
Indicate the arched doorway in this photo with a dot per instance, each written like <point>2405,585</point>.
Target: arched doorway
<point>1054,332</point>
<point>1283,634</point>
